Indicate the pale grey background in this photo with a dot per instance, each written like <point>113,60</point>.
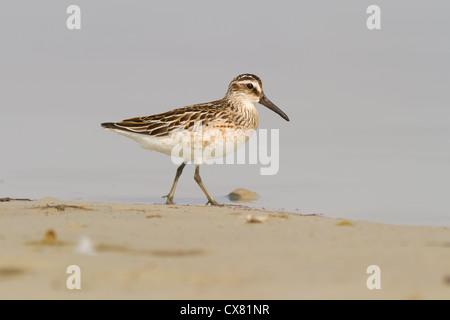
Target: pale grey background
<point>369,131</point>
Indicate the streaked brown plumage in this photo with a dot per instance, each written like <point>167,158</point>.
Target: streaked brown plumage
<point>160,125</point>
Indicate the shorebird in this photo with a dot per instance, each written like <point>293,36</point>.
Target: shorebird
<point>203,131</point>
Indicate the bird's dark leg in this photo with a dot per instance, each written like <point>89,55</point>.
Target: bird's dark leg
<point>172,190</point>
<point>200,183</point>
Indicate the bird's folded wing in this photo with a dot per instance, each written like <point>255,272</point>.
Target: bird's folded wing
<point>163,124</point>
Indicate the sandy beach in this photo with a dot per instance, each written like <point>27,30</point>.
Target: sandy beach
<point>140,251</point>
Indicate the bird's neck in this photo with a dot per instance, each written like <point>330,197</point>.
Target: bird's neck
<point>246,110</point>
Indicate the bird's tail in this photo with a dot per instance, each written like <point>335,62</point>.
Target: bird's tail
<point>109,125</point>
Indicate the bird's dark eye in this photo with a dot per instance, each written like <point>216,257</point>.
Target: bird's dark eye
<point>250,86</point>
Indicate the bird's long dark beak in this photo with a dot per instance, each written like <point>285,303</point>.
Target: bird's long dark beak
<point>267,103</point>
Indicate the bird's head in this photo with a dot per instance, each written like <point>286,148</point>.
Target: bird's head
<point>248,88</point>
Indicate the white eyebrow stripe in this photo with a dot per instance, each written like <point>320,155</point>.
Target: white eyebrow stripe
<point>253,82</point>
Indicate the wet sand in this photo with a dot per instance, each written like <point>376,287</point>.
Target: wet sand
<point>137,251</point>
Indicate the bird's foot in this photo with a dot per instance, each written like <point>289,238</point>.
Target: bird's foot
<point>213,202</point>
<point>169,199</point>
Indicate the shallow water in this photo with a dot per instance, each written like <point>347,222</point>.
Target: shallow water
<point>387,193</point>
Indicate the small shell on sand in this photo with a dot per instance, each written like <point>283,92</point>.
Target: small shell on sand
<point>344,223</point>
<point>255,219</point>
<point>85,246</point>
<point>242,195</point>
<point>50,237</point>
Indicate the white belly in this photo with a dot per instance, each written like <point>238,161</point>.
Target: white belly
<point>196,147</point>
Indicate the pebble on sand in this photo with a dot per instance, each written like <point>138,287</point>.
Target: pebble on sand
<point>242,195</point>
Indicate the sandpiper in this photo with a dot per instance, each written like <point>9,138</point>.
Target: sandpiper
<point>203,131</point>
